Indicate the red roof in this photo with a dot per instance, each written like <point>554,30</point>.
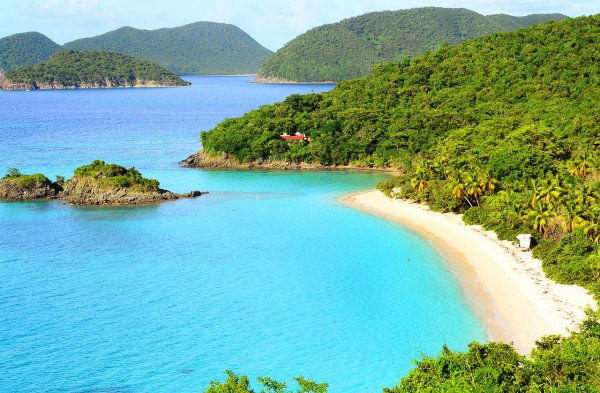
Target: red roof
<point>294,137</point>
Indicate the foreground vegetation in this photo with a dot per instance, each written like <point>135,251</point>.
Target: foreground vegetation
<point>556,364</point>
<point>25,49</point>
<point>95,69</point>
<point>194,49</point>
<point>350,48</point>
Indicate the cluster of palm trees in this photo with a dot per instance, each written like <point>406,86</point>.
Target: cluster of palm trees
<point>570,204</point>
<point>558,204</point>
<point>466,181</point>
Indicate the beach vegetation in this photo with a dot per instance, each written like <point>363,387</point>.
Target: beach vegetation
<point>556,364</point>
<point>506,124</point>
<point>241,384</point>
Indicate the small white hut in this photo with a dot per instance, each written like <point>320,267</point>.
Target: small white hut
<point>524,241</point>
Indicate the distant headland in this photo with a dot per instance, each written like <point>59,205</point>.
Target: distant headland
<point>81,70</point>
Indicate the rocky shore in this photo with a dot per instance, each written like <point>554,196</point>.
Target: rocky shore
<point>7,85</point>
<point>283,81</point>
<point>206,161</point>
<point>15,190</point>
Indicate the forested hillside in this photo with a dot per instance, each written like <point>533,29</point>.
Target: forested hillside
<point>517,112</point>
<point>349,49</point>
<point>25,49</point>
<point>505,129</point>
<point>195,49</point>
<point>73,69</point>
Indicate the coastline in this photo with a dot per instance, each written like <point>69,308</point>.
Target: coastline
<point>202,160</point>
<point>506,286</point>
<point>283,81</point>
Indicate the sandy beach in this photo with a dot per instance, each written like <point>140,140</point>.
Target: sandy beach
<point>505,285</point>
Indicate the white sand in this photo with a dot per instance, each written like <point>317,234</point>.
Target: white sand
<point>505,285</point>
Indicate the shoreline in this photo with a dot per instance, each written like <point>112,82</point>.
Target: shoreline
<point>283,81</point>
<point>202,160</point>
<point>504,285</point>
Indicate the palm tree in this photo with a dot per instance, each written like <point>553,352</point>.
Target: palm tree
<point>586,196</point>
<point>580,166</point>
<point>592,230</point>
<point>472,186</point>
<point>571,216</point>
<point>419,182</point>
<point>487,182</point>
<point>540,217</point>
<point>548,192</point>
<point>458,190</point>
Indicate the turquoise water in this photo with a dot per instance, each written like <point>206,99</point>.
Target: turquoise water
<point>267,275</point>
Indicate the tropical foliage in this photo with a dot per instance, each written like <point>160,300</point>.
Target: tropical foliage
<point>113,175</point>
<point>74,69</point>
<point>194,49</point>
<point>26,181</point>
<point>241,384</point>
<point>24,49</point>
<point>556,364</point>
<point>350,48</point>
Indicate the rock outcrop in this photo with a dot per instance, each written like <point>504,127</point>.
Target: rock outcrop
<point>15,190</point>
<point>97,189</point>
<point>6,84</point>
<point>86,191</point>
<point>226,161</point>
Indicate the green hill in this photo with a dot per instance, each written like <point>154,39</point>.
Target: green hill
<point>505,129</point>
<point>349,49</point>
<point>196,49</point>
<point>25,49</point>
<point>73,69</point>
<point>513,107</point>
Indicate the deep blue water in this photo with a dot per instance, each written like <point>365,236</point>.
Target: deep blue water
<point>267,275</point>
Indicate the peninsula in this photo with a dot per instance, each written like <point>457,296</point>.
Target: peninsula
<point>77,70</point>
<point>98,183</point>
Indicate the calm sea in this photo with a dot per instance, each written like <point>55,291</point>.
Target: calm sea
<point>266,275</point>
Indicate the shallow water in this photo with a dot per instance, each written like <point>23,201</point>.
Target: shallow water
<point>267,275</point>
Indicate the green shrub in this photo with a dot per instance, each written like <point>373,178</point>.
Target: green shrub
<point>113,175</point>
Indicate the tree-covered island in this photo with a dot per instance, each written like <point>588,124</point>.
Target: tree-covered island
<point>97,183</point>
<point>74,70</point>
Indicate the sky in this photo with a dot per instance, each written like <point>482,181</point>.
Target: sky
<point>271,22</point>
